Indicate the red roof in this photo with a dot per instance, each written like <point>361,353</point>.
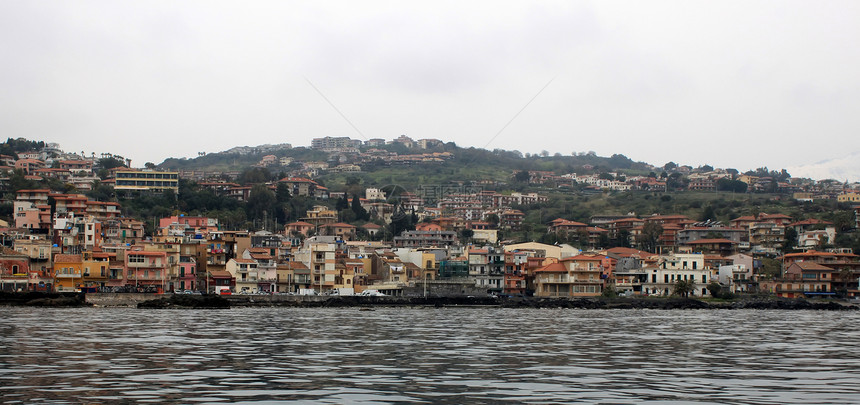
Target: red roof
<point>339,225</point>
<point>627,252</point>
<point>297,180</point>
<point>811,266</point>
<point>579,258</point>
<point>813,253</point>
<point>67,258</point>
<point>709,241</point>
<point>811,221</point>
<point>552,268</point>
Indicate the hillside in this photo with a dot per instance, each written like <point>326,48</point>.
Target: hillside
<point>465,165</point>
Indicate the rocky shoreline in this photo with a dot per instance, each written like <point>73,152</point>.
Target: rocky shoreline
<point>453,302</point>
<point>40,299</point>
<point>36,299</point>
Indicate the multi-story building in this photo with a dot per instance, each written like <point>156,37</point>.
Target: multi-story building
<point>319,255</point>
<point>766,237</point>
<point>577,276</point>
<point>68,272</point>
<point>147,270</point>
<point>245,272</point>
<point>804,279</point>
<point>425,239</point>
<point>335,143</point>
<point>146,180</point>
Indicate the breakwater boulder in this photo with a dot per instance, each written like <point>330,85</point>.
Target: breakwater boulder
<point>187,301</point>
<point>42,299</point>
<point>788,304</point>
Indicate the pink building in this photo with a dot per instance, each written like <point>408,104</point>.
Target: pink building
<point>144,269</point>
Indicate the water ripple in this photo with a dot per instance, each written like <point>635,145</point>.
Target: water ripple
<point>446,355</point>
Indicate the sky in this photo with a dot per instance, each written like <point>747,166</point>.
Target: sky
<point>739,84</point>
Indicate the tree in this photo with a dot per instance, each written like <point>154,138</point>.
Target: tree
<point>466,235</point>
<point>609,292</point>
<point>522,176</point>
<point>493,219</point>
<point>735,186</point>
<point>109,163</point>
<point>770,268</point>
<point>341,204</point>
<point>650,236</point>
<point>709,214</point>
<point>254,176</point>
<point>789,240</point>
<point>683,288</point>
<point>715,289</point>
<point>358,210</point>
<point>261,203</point>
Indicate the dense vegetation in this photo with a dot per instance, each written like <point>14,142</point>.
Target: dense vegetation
<point>480,169</point>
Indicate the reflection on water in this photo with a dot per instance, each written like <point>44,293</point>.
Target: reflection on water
<point>447,355</point>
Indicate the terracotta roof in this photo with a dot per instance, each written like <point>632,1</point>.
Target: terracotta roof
<point>627,220</point>
<point>583,258</point>
<point>565,222</point>
<point>811,221</point>
<point>813,253</point>
<point>296,265</point>
<point>339,225</point>
<point>552,268</point>
<point>297,180</point>
<point>709,241</point>
<point>773,216</point>
<point>67,258</point>
<point>811,266</point>
<point>627,252</point>
<point>220,274</point>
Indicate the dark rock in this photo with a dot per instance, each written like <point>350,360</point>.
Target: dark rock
<point>187,301</point>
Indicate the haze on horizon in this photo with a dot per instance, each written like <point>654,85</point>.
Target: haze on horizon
<point>739,84</point>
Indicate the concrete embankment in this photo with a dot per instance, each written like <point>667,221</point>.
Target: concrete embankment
<point>119,299</point>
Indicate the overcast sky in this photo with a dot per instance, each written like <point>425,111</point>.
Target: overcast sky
<point>732,84</point>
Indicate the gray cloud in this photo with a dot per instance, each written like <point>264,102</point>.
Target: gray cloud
<point>737,84</point>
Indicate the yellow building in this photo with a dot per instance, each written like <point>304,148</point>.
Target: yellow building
<point>68,272</point>
<point>848,197</point>
<point>96,269</point>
